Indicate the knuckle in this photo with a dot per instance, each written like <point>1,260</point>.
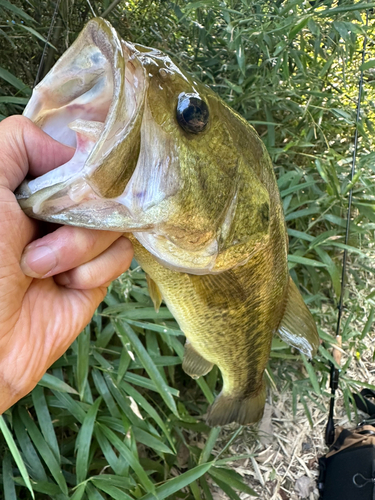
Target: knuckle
<point>79,239</point>
<point>18,121</point>
<point>87,276</point>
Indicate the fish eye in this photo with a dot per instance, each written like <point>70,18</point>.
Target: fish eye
<point>192,113</point>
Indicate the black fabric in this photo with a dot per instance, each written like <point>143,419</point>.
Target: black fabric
<point>366,401</point>
<point>340,440</point>
<point>348,475</point>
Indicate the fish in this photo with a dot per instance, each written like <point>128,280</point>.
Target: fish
<point>160,157</point>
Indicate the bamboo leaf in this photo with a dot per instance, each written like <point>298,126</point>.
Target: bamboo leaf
<point>210,443</point>
<point>35,33</point>
<point>84,441</point>
<point>8,481</point>
<point>230,479</point>
<point>16,10</point>
<point>367,65</point>
<point>79,492</point>
<point>83,343</point>
<point>130,458</point>
<point>45,421</point>
<point>56,384</point>
<point>114,462</point>
<point>149,440</point>
<point>44,450</point>
<point>120,482</point>
<point>179,482</point>
<point>306,262</point>
<point>5,99</point>
<point>141,401</point>
<point>16,82</point>
<point>346,8</point>
<point>311,372</point>
<point>111,490</point>
<point>15,454</point>
<point>297,28</point>
<point>126,334</point>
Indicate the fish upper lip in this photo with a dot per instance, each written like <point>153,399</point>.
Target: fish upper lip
<point>61,105</point>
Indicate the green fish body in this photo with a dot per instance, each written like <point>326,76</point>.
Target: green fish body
<point>162,158</point>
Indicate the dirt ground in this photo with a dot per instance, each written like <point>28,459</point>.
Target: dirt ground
<point>285,461</point>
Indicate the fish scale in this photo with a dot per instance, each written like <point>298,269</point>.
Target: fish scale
<point>191,183</point>
<point>229,319</point>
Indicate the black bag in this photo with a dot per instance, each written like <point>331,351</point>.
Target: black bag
<point>347,471</point>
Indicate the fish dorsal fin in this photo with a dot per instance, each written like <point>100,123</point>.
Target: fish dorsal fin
<point>154,292</point>
<point>297,328</point>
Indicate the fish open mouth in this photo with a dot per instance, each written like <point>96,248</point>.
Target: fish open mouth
<point>93,100</point>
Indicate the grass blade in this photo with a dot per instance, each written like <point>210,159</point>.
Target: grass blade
<point>45,421</point>
<point>8,482</point>
<point>83,342</point>
<point>84,441</point>
<point>14,81</point>
<point>36,34</point>
<point>105,393</point>
<point>29,453</point>
<point>117,464</point>
<point>79,492</point>
<point>210,443</point>
<point>127,334</point>
<point>129,457</point>
<point>111,490</point>
<point>312,375</point>
<point>9,99</point>
<point>150,410</point>
<point>44,450</point>
<point>232,479</point>
<point>16,10</point>
<point>179,482</point>
<point>15,454</point>
<point>51,382</point>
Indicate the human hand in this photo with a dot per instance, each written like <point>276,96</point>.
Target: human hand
<point>50,289</point>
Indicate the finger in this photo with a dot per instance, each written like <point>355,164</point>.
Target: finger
<point>66,248</point>
<point>101,270</point>
<point>26,148</point>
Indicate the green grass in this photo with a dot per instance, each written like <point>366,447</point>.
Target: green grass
<point>115,416</point>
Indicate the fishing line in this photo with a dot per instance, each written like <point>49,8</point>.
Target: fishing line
<point>53,19</point>
<point>92,10</point>
<point>334,374</point>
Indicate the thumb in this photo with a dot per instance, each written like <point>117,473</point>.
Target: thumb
<point>26,148</point>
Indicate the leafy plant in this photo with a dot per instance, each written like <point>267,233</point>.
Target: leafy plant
<point>116,417</point>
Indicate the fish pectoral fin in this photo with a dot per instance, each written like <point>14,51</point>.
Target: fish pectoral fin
<point>297,328</point>
<point>193,363</point>
<point>243,410</point>
<point>154,292</point>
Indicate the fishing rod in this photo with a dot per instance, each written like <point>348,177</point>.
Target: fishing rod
<point>47,42</point>
<point>335,370</point>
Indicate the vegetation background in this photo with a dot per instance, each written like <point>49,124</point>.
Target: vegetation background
<point>116,417</point>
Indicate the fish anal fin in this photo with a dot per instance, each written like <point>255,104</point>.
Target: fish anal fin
<point>154,292</point>
<point>193,363</point>
<point>297,327</point>
<point>243,410</point>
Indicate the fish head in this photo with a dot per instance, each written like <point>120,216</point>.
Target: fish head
<point>157,154</point>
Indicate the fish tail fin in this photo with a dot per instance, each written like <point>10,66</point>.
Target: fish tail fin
<point>243,410</point>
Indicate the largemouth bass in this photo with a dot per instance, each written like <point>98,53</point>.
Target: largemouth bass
<point>161,157</point>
